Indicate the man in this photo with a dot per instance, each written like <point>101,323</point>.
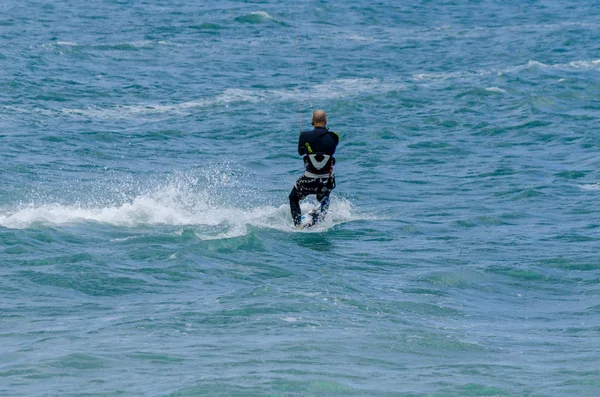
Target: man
<point>317,146</point>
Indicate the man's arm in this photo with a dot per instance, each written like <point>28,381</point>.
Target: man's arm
<point>301,148</point>
<point>336,140</point>
<point>336,136</point>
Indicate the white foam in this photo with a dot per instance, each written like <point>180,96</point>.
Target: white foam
<point>174,205</point>
<point>463,74</point>
<point>256,16</point>
<point>495,89</point>
<point>279,218</point>
<point>263,14</point>
<point>592,186</point>
<point>519,68</point>
<point>335,89</point>
<point>331,90</point>
<point>142,210</point>
<point>595,64</point>
<point>141,43</point>
<point>137,44</point>
<point>357,38</point>
<point>442,76</point>
<point>168,43</point>
<point>132,111</point>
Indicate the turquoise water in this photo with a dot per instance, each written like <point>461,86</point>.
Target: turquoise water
<point>148,148</point>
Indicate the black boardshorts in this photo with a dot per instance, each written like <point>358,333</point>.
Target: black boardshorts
<point>321,187</point>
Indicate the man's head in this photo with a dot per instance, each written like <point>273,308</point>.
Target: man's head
<point>319,118</point>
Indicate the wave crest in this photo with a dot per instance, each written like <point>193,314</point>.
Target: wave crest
<point>213,212</point>
<point>257,17</point>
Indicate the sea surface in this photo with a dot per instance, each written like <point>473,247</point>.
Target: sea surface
<point>147,150</point>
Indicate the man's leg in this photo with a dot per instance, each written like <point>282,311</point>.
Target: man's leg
<point>323,195</point>
<point>324,204</point>
<point>295,206</point>
<point>323,199</point>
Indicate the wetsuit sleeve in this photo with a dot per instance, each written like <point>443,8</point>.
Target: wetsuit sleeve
<point>301,148</point>
<point>336,136</point>
<point>336,139</point>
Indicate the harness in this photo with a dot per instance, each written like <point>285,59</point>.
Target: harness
<point>318,161</point>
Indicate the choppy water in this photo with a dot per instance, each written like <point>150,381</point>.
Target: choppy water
<point>148,148</point>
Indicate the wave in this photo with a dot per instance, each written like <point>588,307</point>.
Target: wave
<point>257,17</point>
<point>595,64</point>
<point>124,46</point>
<point>67,43</point>
<point>211,215</point>
<point>211,223</point>
<point>591,186</point>
<point>463,74</point>
<point>332,90</point>
<point>495,89</point>
<point>335,89</point>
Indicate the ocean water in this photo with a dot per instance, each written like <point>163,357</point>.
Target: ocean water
<point>147,149</point>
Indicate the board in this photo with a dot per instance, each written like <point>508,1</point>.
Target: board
<point>312,218</point>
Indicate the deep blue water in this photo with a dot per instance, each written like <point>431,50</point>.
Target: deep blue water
<point>147,149</point>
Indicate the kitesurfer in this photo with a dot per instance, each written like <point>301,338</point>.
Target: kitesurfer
<point>317,146</point>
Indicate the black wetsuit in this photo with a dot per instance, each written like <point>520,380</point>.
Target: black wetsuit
<point>317,146</point>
